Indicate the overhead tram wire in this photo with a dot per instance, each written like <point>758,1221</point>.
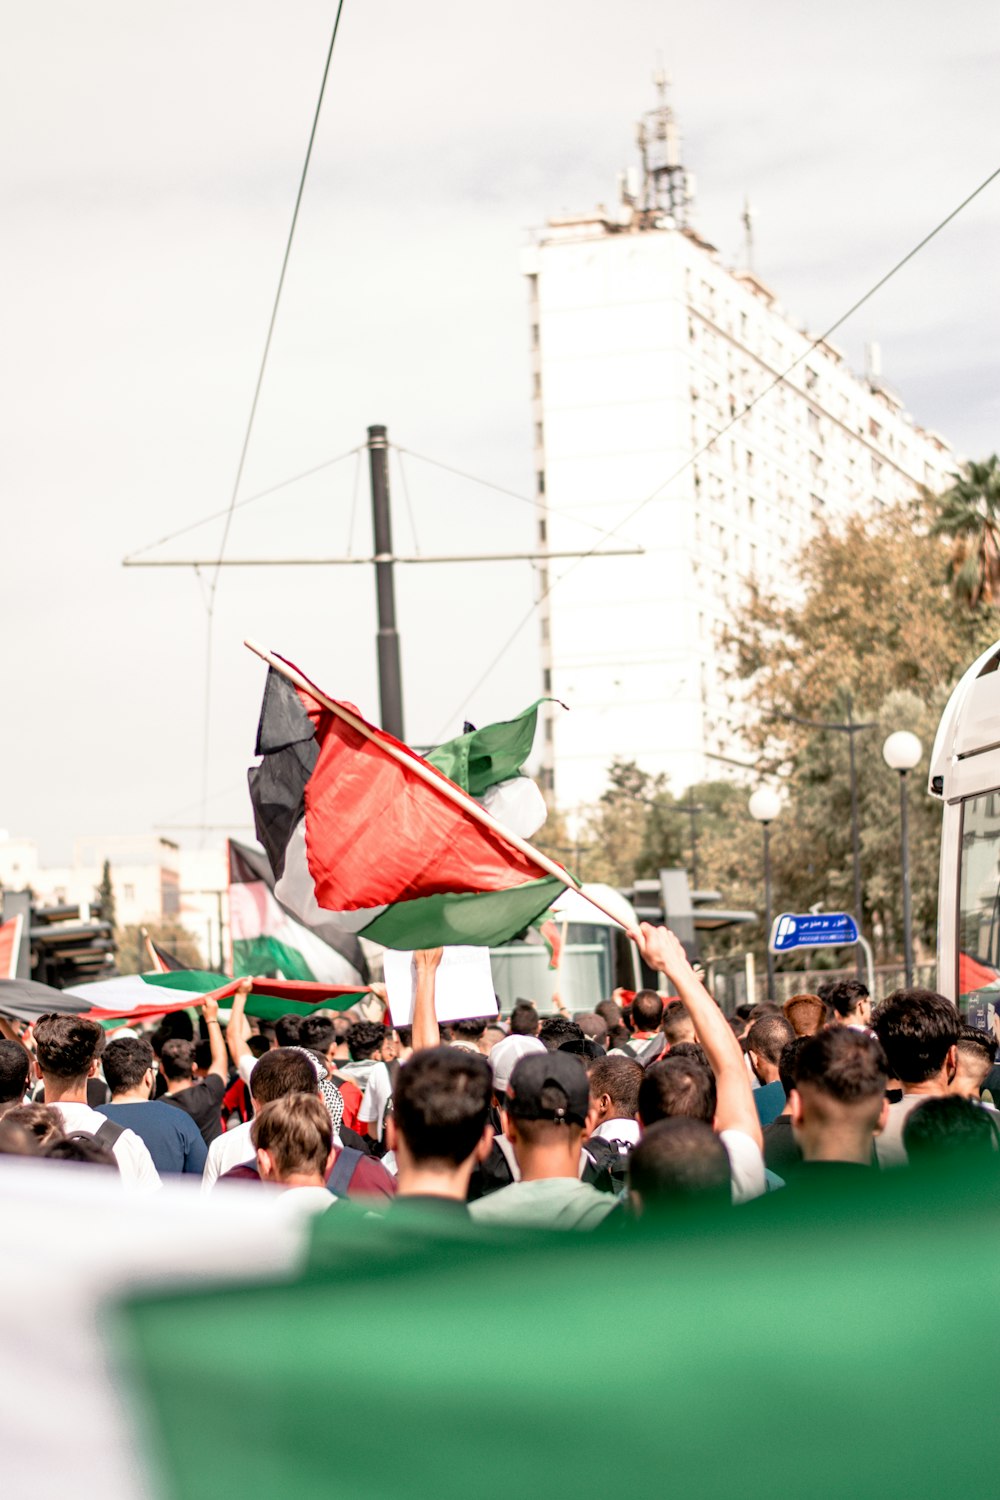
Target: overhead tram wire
<point>214,583</point>
<point>734,421</point>
<point>273,489</point>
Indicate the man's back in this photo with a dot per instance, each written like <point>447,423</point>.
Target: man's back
<point>549,1203</point>
<point>134,1161</point>
<point>171,1136</point>
<point>202,1102</point>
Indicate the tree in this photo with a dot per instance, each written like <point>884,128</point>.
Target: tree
<point>968,513</point>
<point>106,894</point>
<point>133,956</point>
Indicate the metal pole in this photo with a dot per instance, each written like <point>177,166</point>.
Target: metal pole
<point>222,949</point>
<point>855,829</point>
<point>904,824</point>
<point>694,847</point>
<point>390,682</point>
<point>768,915</point>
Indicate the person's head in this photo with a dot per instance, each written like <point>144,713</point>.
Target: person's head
<point>440,1116</point>
<point>583,1048</point>
<point>79,1146</point>
<point>15,1062</point>
<point>677,1086</point>
<point>524,1019</point>
<point>950,1130</point>
<point>593,1026</point>
<point>469,1030</point>
<point>610,1012</point>
<point>765,1041</point>
<point>976,1052</point>
<point>44,1123</point>
<point>677,1163</point>
<point>128,1066</point>
<point>614,1088</point>
<point>545,1112</point>
<point>677,1025</point>
<point>280,1072</point>
<point>646,1012</point>
<point>555,1030</point>
<point>918,1030</point>
<point>67,1047</point>
<point>319,1035</point>
<point>17,1139</point>
<point>287,1028</point>
<point>838,1104</point>
<point>490,1037</point>
<point>293,1138</point>
<point>505,1057</point>
<point>177,1060</point>
<point>849,1000</point>
<point>806,1013</point>
<point>365,1040</point>
<point>786,1062</point>
<point>693,1050</point>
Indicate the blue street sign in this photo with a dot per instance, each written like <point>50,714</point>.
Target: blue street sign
<point>826,929</point>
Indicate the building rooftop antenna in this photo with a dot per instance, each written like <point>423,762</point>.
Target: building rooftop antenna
<point>667,189</point>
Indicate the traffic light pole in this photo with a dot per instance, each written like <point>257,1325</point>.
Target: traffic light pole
<point>390,680</point>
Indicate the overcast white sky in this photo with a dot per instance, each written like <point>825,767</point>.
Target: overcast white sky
<point>149,156</point>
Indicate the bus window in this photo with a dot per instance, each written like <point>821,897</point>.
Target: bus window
<point>979,908</point>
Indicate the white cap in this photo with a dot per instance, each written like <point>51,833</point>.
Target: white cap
<point>505,1056</point>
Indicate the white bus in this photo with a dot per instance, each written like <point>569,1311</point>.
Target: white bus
<point>965,776</point>
<point>597,956</point>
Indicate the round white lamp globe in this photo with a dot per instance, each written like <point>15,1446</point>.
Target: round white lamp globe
<point>764,805</point>
<point>902,751</point>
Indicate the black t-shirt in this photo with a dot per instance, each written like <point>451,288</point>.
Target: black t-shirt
<point>203,1102</point>
<point>781,1154</point>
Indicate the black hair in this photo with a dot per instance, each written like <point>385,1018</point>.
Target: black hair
<point>677,1086</point>
<point>916,1029</point>
<point>787,1062</point>
<point>65,1046</point>
<point>647,1011</point>
<point>843,1064</point>
<point>693,1050</point>
<point>318,1032</point>
<point>126,1063</point>
<point>524,1019</point>
<point>364,1039</point>
<point>555,1030</point>
<point>678,1160</point>
<point>470,1029</point>
<point>980,1045</point>
<point>177,1059</point>
<point>676,1023</point>
<point>843,995</point>
<point>441,1103</point>
<point>769,1035</point>
<point>287,1028</point>
<point>14,1064</point>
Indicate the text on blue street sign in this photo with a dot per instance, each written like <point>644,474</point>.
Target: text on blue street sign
<point>822,930</point>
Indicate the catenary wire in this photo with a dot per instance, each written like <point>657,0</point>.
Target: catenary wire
<point>727,427</point>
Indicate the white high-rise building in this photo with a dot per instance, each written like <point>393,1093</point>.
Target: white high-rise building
<point>644,345</point>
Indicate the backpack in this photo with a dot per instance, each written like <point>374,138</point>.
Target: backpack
<point>339,1180</point>
<point>608,1167</point>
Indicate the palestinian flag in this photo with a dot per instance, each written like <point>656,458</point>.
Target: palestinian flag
<point>162,960</point>
<point>140,997</point>
<point>268,940</point>
<point>10,946</point>
<point>551,932</point>
<point>358,840</point>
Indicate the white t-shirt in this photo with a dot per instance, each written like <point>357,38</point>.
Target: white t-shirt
<point>378,1091</point>
<point>746,1165</point>
<point>132,1155</point>
<point>619,1129</point>
<point>231,1149</point>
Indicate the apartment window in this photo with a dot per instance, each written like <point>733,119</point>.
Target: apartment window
<point>547,680</point>
<point>128,892</point>
<point>536,382</point>
<point>542,531</point>
<point>534,335</point>
<point>874,428</point>
<point>812,379</point>
<point>541,481</point>
<point>538,433</point>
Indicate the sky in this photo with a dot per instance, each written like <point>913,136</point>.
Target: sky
<point>149,159</point>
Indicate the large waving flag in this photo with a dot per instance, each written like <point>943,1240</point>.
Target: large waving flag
<point>140,997</point>
<point>267,939</point>
<point>362,834</point>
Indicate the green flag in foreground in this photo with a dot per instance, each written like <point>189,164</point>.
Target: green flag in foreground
<point>791,1348</point>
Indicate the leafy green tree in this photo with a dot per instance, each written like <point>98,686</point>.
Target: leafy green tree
<point>968,513</point>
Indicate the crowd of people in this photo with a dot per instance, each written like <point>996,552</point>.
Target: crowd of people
<point>634,1111</point>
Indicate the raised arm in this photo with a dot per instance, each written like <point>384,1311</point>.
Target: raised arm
<point>238,1030</point>
<point>219,1063</point>
<point>735,1109</point>
<point>426,1031</point>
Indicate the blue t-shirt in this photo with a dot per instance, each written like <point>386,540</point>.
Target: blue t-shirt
<point>770,1101</point>
<point>173,1139</point>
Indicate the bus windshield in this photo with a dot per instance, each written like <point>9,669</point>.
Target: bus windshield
<point>979,908</point>
<point>585,975</point>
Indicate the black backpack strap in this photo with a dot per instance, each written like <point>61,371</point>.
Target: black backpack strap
<point>109,1132</point>
<point>339,1179</point>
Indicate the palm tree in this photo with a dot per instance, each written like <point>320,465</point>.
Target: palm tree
<point>969,513</point>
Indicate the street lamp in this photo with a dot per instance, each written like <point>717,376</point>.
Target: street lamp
<point>901,752</point>
<point>764,807</point>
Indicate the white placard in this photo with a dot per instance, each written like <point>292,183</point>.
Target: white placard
<point>464,985</point>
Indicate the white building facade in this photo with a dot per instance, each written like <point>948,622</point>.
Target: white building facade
<point>644,347</point>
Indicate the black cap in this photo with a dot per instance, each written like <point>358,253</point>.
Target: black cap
<point>549,1086</point>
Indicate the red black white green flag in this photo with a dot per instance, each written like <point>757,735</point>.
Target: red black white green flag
<point>358,840</point>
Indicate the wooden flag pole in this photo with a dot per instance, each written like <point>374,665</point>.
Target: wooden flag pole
<point>436,780</point>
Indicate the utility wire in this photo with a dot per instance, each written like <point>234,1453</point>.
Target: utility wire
<point>406,497</point>
<point>733,422</point>
<point>214,583</point>
<point>272,489</point>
